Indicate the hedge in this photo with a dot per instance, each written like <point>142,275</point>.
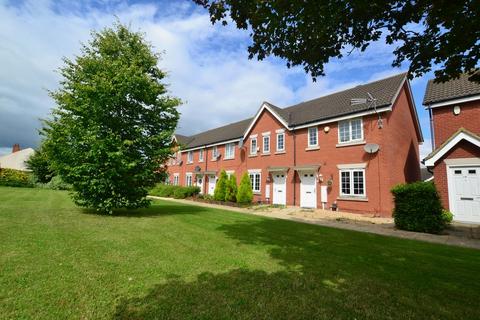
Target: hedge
<point>15,178</point>
<point>171,191</point>
<point>418,208</point>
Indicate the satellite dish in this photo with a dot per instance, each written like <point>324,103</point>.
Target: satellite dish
<point>371,148</point>
<point>198,169</point>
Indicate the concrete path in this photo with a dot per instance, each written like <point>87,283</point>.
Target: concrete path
<point>459,235</point>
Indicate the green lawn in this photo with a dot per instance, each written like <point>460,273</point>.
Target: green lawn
<point>177,261</point>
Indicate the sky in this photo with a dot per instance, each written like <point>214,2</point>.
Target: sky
<point>207,65</point>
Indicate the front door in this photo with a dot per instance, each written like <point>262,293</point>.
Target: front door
<point>279,188</point>
<point>465,193</point>
<point>308,190</point>
<point>212,181</point>
<point>200,182</point>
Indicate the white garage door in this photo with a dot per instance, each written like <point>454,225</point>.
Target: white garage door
<point>279,188</point>
<point>464,193</point>
<point>308,191</point>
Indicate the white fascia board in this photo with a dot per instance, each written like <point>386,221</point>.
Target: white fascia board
<point>461,136</point>
<point>259,112</point>
<point>350,116</point>
<point>462,162</point>
<point>453,101</point>
<point>210,145</point>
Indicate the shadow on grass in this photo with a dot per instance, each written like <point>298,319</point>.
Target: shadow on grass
<point>328,274</point>
<point>156,209</point>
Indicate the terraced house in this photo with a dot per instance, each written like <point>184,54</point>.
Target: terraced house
<point>337,151</point>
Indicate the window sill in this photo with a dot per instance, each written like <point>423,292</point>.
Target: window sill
<point>265,154</point>
<point>348,144</point>
<point>312,148</point>
<point>225,159</point>
<point>257,193</point>
<point>214,160</point>
<point>252,155</point>
<point>280,152</point>
<point>190,162</point>
<point>346,198</point>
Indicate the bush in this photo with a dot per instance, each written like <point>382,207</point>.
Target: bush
<point>57,183</point>
<point>15,178</point>
<point>418,208</point>
<point>447,216</point>
<point>231,189</point>
<point>220,187</point>
<point>185,192</point>
<point>39,164</point>
<point>177,192</point>
<point>245,193</point>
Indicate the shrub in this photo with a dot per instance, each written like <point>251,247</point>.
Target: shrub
<point>418,208</point>
<point>57,183</point>
<point>245,193</point>
<point>15,178</point>
<point>231,189</point>
<point>39,164</point>
<point>170,191</point>
<point>447,216</point>
<point>185,192</point>
<point>220,187</point>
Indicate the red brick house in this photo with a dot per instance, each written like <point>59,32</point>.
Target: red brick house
<point>454,109</point>
<point>317,153</point>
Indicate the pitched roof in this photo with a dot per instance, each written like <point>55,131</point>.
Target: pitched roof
<point>16,160</point>
<point>453,89</point>
<point>323,108</point>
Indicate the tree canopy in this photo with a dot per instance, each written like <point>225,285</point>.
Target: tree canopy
<point>112,126</point>
<point>309,33</point>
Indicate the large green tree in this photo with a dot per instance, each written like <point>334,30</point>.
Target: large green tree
<point>113,123</point>
<point>311,32</point>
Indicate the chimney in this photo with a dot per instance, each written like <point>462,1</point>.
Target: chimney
<point>15,148</point>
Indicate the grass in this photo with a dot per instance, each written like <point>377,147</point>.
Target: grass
<point>175,261</point>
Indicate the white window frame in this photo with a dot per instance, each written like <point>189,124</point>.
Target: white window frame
<point>229,173</point>
<point>283,140</point>
<point>214,152</point>
<point>176,179</point>
<point>351,187</point>
<point>316,136</point>
<point>188,179</point>
<point>200,155</point>
<point>253,151</point>
<point>227,154</point>
<point>267,138</point>
<point>190,157</point>
<point>349,122</point>
<point>254,174</point>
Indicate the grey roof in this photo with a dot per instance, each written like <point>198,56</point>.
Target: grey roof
<point>181,139</point>
<point>324,108</point>
<point>453,89</point>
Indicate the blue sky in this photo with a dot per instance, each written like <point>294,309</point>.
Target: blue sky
<point>208,65</point>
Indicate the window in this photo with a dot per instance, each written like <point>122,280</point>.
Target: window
<point>253,146</point>
<point>350,130</point>
<point>214,153</point>
<point>352,182</point>
<point>190,157</point>
<point>312,136</point>
<point>188,182</point>
<point>229,150</point>
<point>175,179</point>
<point>200,155</point>
<point>255,181</point>
<point>266,144</point>
<point>280,141</point>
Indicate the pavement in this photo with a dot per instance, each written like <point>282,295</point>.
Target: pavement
<point>462,235</point>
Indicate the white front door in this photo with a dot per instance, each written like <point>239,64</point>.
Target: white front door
<point>308,190</point>
<point>200,183</point>
<point>464,193</point>
<point>212,181</point>
<point>279,188</point>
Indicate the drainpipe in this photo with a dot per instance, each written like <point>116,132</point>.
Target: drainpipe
<point>294,160</point>
<point>204,186</point>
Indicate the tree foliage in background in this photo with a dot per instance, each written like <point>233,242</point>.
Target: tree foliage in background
<point>39,164</point>
<point>220,187</point>
<point>231,189</point>
<point>310,33</point>
<point>245,193</point>
<point>113,123</point>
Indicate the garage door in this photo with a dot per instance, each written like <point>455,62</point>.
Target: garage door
<point>464,193</point>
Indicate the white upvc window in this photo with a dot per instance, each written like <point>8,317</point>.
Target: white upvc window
<point>214,152</point>
<point>190,157</point>
<point>255,180</point>
<point>350,130</point>
<point>281,141</point>
<point>230,173</point>
<point>188,181</point>
<point>200,155</point>
<point>175,179</point>
<point>266,144</point>
<point>253,145</point>
<point>352,182</point>
<point>313,137</point>
<point>229,151</point>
